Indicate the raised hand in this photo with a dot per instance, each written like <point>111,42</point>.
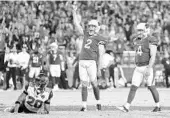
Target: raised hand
<point>74,7</point>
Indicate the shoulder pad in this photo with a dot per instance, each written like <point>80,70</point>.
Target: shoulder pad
<point>102,39</point>
<point>153,40</point>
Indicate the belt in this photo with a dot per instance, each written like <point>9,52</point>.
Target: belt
<point>142,64</point>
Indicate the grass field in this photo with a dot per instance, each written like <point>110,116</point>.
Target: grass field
<point>67,103</point>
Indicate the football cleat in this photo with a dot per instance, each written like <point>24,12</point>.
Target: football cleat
<point>15,88</point>
<point>123,108</point>
<point>99,107</point>
<point>83,109</point>
<point>156,109</point>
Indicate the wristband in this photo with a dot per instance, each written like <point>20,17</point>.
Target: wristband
<point>17,102</point>
<point>46,102</point>
<point>25,92</point>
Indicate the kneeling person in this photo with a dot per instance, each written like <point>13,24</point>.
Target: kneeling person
<point>35,98</point>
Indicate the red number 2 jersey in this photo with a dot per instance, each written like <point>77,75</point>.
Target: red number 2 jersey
<point>90,47</point>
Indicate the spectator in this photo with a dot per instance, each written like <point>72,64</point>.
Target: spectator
<point>2,56</point>
<point>55,62</point>
<point>2,52</point>
<point>30,22</point>
<point>23,61</point>
<point>70,68</point>
<point>107,61</point>
<point>166,63</point>
<point>12,61</point>
<point>76,76</point>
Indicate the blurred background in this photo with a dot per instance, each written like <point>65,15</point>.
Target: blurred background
<point>39,23</point>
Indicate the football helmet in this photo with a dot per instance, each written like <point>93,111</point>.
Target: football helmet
<point>93,27</point>
<point>41,82</point>
<point>54,47</point>
<point>142,30</point>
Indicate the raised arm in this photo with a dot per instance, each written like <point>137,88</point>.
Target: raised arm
<point>77,20</point>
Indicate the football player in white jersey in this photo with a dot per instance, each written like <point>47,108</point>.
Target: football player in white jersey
<point>35,98</point>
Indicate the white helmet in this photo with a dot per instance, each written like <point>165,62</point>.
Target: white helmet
<point>141,26</point>
<point>94,23</point>
<point>54,45</point>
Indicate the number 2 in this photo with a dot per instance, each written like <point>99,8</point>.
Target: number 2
<point>35,59</point>
<point>87,45</point>
<point>33,102</point>
<point>139,50</point>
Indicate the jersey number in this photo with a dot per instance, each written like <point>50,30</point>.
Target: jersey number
<point>35,59</point>
<point>33,102</point>
<point>87,45</point>
<point>139,50</point>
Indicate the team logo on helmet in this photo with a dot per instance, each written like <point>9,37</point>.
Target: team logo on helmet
<point>142,30</point>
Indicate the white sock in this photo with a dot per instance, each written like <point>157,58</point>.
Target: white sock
<point>127,105</point>
<point>98,102</point>
<point>157,104</point>
<point>84,104</point>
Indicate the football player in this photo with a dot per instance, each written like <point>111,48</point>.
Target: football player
<point>55,62</point>
<point>35,64</point>
<point>92,49</point>
<point>23,62</point>
<point>146,48</point>
<point>35,98</point>
<point>12,63</point>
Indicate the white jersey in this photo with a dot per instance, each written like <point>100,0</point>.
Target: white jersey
<point>106,59</point>
<point>35,101</point>
<point>23,59</point>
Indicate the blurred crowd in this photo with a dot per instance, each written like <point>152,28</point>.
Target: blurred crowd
<point>39,23</point>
